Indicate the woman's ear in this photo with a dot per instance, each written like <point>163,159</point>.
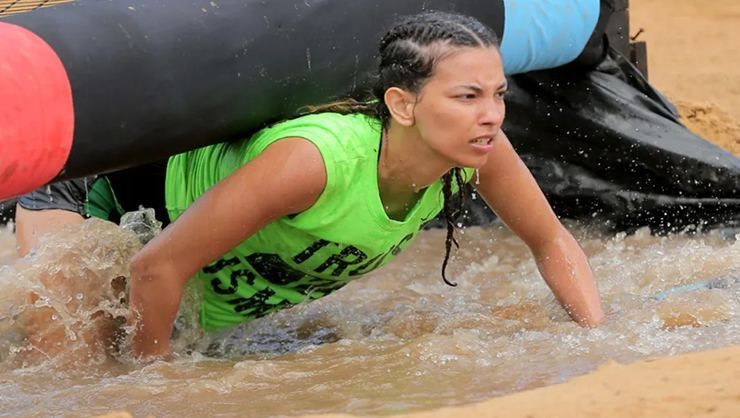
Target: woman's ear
<point>400,105</point>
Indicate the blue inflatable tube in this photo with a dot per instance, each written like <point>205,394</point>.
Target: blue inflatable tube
<point>545,34</point>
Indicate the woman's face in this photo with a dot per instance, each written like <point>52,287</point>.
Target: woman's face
<point>460,108</point>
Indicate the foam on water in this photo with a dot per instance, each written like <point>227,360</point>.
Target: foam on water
<point>400,340</point>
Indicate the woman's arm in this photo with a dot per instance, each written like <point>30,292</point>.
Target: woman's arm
<point>511,191</point>
<point>286,178</point>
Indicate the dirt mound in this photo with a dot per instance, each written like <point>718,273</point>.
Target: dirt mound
<point>712,123</point>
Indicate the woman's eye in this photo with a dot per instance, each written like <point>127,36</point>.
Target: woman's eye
<point>468,96</point>
<point>501,94</point>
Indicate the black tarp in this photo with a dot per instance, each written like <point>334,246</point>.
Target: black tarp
<point>604,145</point>
<point>7,210</point>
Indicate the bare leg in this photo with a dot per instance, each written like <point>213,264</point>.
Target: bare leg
<point>30,224</point>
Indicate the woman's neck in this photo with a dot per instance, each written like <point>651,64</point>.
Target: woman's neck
<point>406,167</point>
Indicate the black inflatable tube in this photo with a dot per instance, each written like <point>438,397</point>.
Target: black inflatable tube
<point>601,143</point>
<point>151,79</point>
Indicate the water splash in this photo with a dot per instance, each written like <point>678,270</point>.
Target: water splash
<point>41,302</point>
<point>399,341</point>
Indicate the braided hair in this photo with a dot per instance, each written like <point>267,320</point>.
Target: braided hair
<point>408,53</point>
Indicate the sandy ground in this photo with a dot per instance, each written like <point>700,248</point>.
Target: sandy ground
<point>694,58</point>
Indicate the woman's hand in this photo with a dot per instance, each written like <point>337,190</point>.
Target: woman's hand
<point>286,178</point>
<point>154,298</point>
<point>512,192</point>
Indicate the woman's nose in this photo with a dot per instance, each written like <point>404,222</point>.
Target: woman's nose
<point>492,113</point>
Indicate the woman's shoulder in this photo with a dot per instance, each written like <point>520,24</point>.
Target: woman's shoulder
<point>338,136</point>
<point>326,130</point>
<point>337,123</point>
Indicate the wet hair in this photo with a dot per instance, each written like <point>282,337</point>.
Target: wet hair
<point>408,54</point>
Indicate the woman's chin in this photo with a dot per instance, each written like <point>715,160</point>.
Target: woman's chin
<point>475,162</point>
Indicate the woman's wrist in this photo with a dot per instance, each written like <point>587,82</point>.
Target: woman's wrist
<point>565,268</point>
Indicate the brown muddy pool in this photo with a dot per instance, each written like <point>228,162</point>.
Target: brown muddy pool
<point>399,340</point>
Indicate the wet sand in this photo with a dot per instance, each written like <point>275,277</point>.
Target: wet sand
<point>689,385</point>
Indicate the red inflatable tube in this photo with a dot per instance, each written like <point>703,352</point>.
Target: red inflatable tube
<point>36,112</point>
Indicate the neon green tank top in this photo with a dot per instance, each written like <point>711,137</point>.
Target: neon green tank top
<point>344,235</point>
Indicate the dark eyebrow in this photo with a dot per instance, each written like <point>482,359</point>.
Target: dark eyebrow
<point>473,87</point>
<point>478,89</point>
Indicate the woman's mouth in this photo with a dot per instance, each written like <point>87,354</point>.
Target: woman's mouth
<point>482,143</point>
<point>484,140</point>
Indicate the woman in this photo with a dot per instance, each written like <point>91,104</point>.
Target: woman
<point>309,204</point>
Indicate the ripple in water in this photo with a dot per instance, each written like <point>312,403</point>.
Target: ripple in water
<point>397,341</point>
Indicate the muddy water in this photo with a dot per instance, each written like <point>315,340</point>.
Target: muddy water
<point>397,341</point>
